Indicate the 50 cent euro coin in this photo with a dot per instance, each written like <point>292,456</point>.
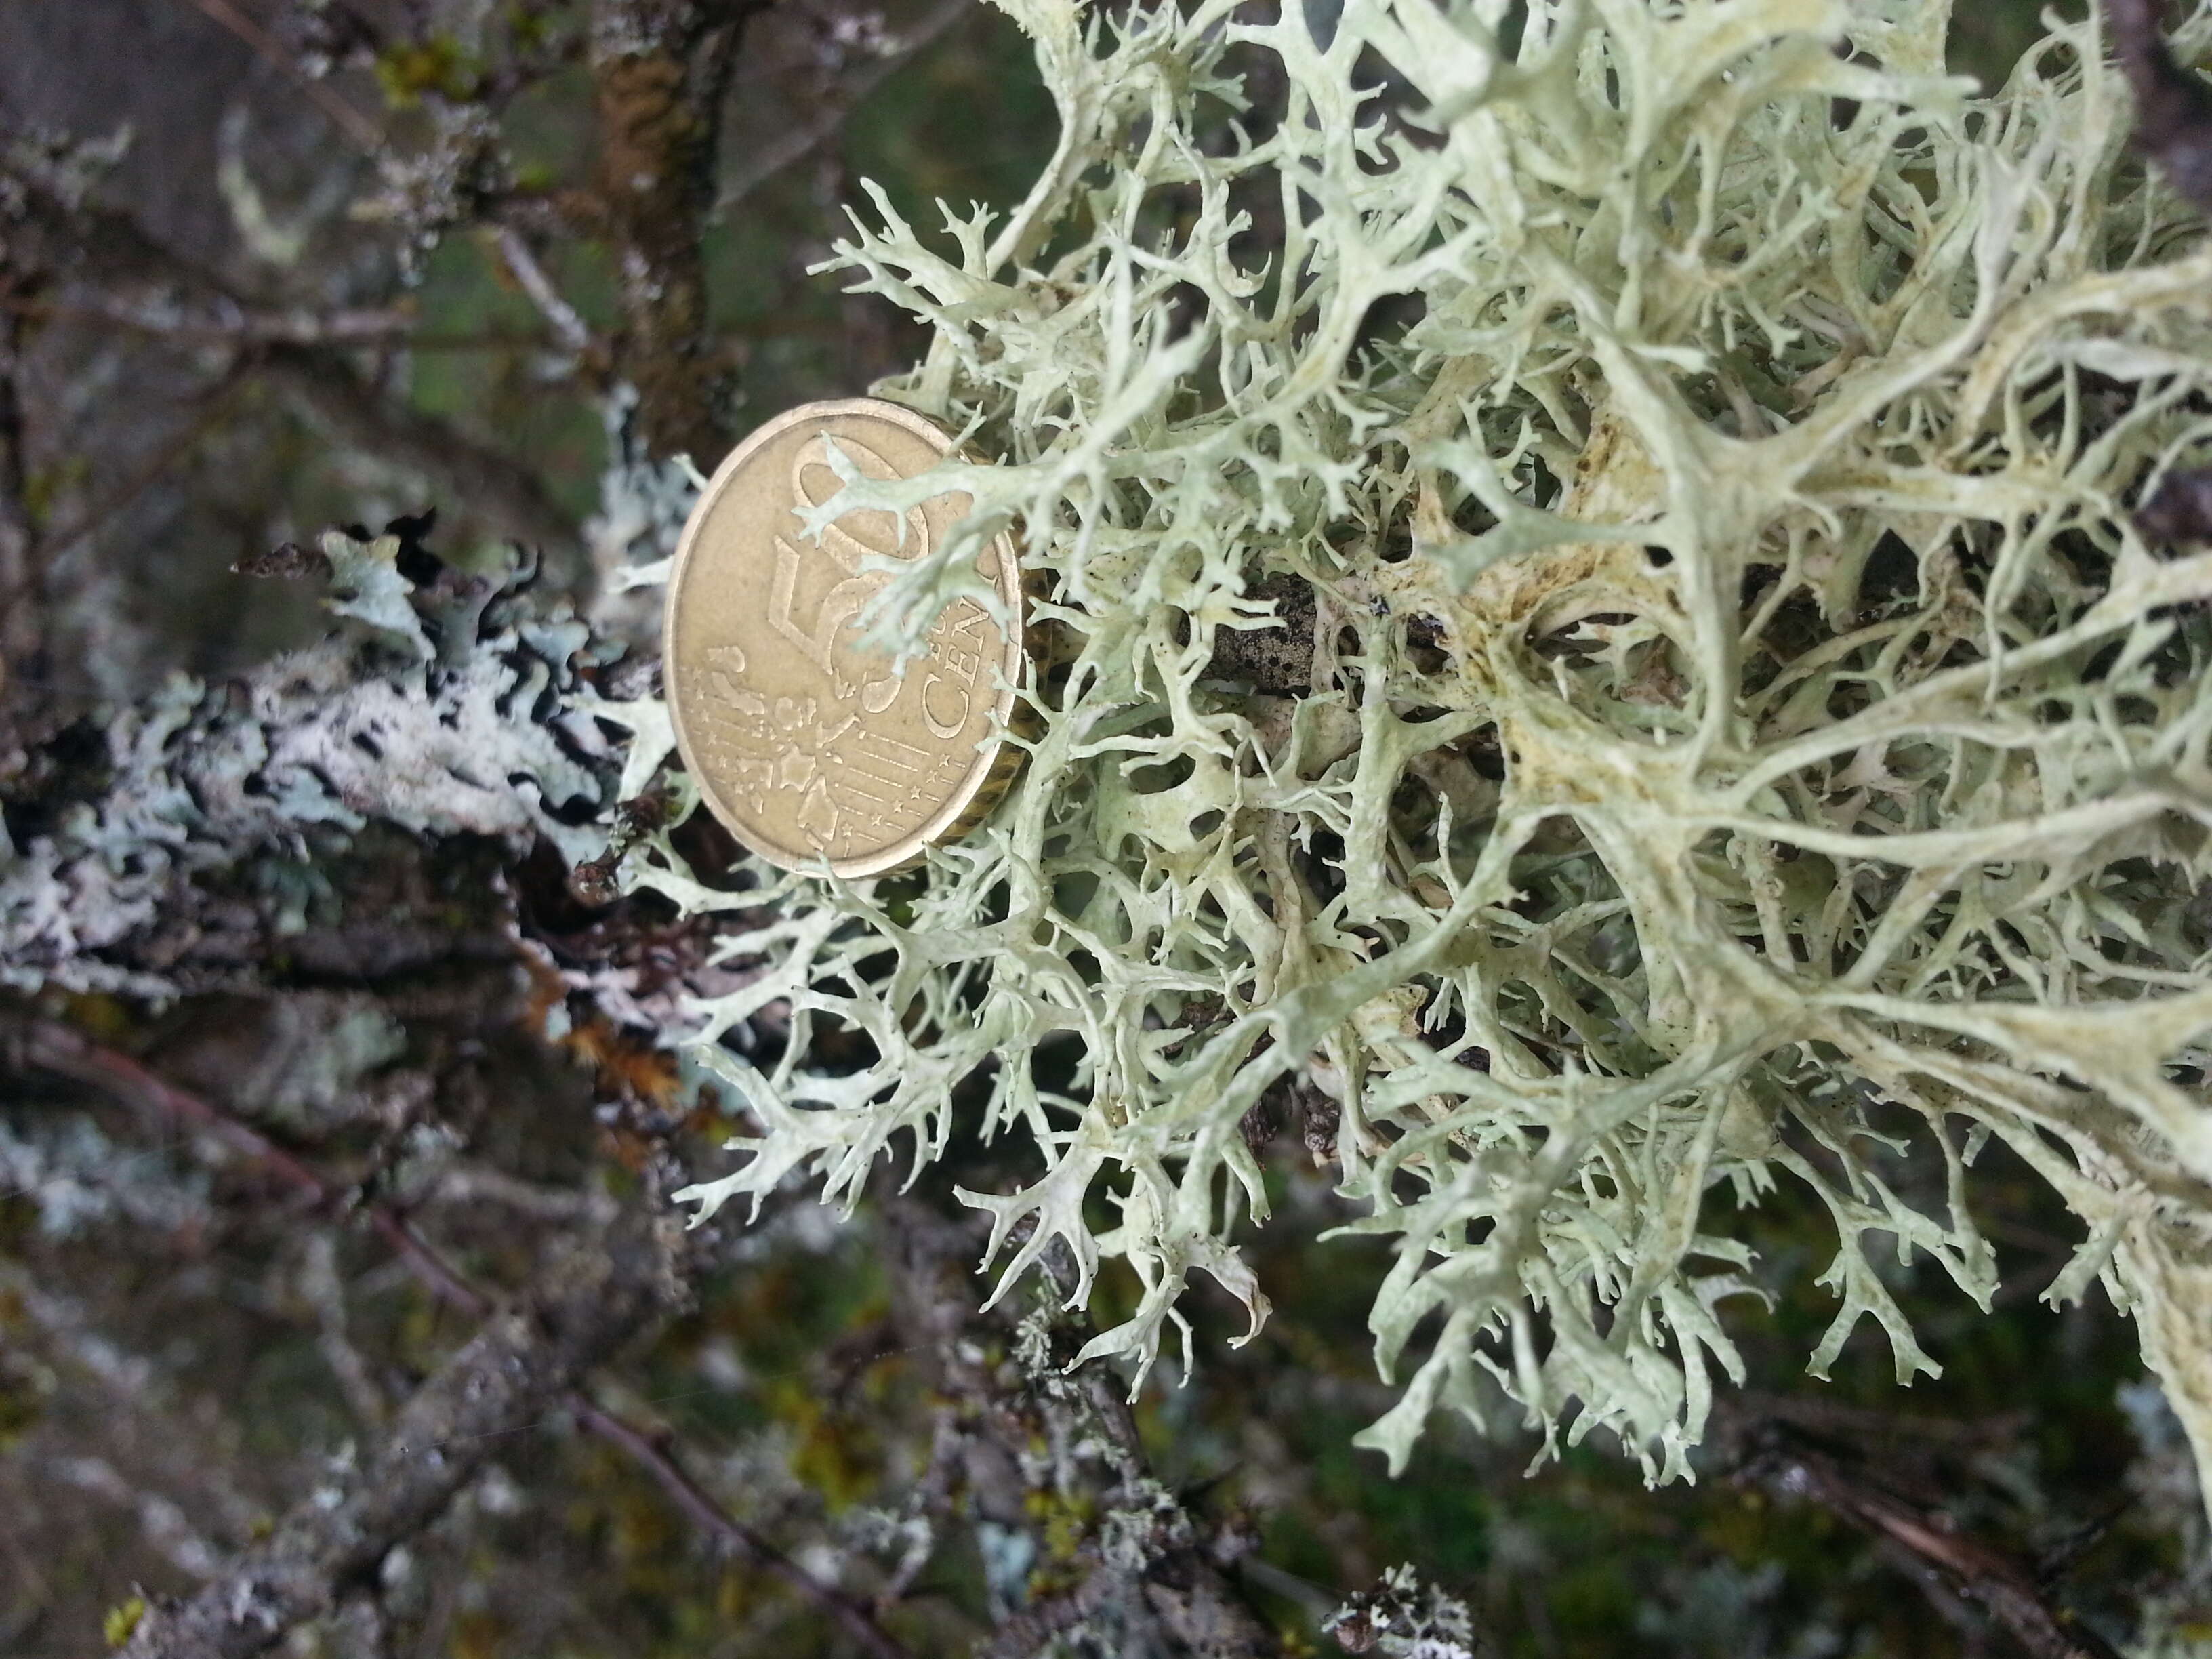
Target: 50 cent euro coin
<point>810,746</point>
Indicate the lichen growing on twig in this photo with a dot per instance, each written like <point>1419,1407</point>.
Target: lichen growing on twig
<point>1742,728</point>
<point>444,704</point>
<point>1396,1619</point>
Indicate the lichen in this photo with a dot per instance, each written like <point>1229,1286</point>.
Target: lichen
<point>1743,735</point>
<point>1397,1619</point>
<point>443,704</point>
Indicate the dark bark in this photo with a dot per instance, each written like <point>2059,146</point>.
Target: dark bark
<point>2173,124</point>
<point>1278,661</point>
<point>20,605</point>
<point>660,69</point>
<point>2173,106</point>
<point>2181,511</point>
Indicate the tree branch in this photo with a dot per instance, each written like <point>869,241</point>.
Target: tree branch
<point>2173,107</point>
<point>660,68</point>
<point>2173,124</point>
<point>834,112</point>
<point>21,559</point>
<point>137,279</point>
<point>523,1362</point>
<point>1147,1568</point>
<point>228,324</point>
<point>215,402</point>
<point>718,1523</point>
<point>358,130</point>
<point>354,414</point>
<point>1788,1462</point>
<point>574,333</point>
<point>540,1352</point>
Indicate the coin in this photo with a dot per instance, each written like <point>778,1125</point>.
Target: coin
<point>807,744</point>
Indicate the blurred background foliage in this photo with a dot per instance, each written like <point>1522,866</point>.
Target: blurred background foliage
<point>181,1350</point>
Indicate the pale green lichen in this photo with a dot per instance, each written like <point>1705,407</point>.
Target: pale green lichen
<point>1751,486</point>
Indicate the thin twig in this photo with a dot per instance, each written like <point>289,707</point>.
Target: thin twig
<point>359,415</point>
<point>164,1521</point>
<point>368,326</point>
<point>358,129</point>
<point>322,381</point>
<point>22,563</point>
<point>57,1047</point>
<point>710,1518</point>
<point>53,1047</point>
<point>325,1290</point>
<point>365,327</point>
<point>236,325</point>
<point>797,145</point>
<point>220,399</point>
<point>464,1183</point>
<point>427,1264</point>
<point>1784,1462</point>
<point>575,333</point>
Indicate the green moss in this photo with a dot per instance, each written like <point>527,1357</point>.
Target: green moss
<point>119,1621</point>
<point>435,64</point>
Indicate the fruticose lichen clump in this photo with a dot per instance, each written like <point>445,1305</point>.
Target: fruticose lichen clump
<point>1719,714</point>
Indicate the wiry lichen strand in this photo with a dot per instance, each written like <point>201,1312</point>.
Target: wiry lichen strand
<point>1740,715</point>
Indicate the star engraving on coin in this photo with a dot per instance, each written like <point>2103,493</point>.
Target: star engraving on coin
<point>808,744</point>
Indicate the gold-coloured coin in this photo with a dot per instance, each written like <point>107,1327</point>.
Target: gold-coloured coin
<point>806,742</point>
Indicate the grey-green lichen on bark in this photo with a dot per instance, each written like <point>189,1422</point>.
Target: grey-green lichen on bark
<point>1741,718</point>
<point>443,703</point>
<point>1396,1619</point>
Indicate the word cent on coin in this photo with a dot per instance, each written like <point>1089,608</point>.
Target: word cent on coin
<point>807,744</point>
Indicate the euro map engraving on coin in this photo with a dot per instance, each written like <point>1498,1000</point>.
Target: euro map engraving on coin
<point>807,744</point>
